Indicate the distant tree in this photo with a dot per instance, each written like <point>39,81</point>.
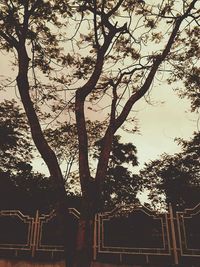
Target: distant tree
<point>177,177</point>
<point>26,192</point>
<point>20,187</point>
<point>121,184</point>
<point>88,56</point>
<point>15,140</point>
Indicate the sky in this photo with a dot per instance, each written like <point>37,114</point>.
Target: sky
<point>160,123</point>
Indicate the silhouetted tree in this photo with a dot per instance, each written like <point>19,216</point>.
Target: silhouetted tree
<point>177,177</point>
<point>20,187</point>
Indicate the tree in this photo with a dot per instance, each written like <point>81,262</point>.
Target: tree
<point>120,185</point>
<point>114,53</point>
<point>177,177</point>
<point>20,187</point>
<point>15,142</point>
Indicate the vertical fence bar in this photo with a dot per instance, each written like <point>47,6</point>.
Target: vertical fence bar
<point>95,238</point>
<point>35,231</point>
<point>173,234</point>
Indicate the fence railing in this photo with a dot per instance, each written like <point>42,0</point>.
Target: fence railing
<point>127,235</point>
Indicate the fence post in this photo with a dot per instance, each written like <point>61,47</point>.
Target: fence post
<point>173,234</point>
<point>35,233</point>
<point>95,238</point>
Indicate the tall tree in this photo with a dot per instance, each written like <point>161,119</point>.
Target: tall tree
<point>108,54</point>
<point>176,177</point>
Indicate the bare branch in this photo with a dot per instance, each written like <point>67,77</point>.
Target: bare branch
<point>114,9</point>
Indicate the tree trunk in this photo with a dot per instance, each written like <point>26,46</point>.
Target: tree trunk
<point>91,204</point>
<point>68,233</point>
<point>84,240</point>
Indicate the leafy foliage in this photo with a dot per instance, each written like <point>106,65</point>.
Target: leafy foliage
<point>188,55</point>
<point>177,176</point>
<point>20,187</point>
<point>68,58</point>
<point>15,141</point>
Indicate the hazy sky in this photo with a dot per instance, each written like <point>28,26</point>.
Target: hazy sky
<point>167,118</point>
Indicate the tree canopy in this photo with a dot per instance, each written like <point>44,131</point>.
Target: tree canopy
<point>177,177</point>
<point>16,146</point>
<point>20,186</point>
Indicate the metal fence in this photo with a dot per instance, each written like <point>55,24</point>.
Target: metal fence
<point>32,237</point>
<point>133,234</point>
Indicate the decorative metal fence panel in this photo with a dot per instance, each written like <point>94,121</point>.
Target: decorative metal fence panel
<point>132,234</point>
<point>26,236</point>
<point>188,223</point>
<point>49,238</point>
<point>16,232</point>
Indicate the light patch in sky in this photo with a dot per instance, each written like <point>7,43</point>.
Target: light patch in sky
<point>161,123</point>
